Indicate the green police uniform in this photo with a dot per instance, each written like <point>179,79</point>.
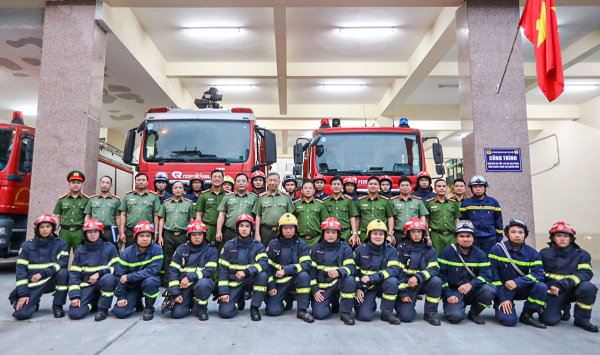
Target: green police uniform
<point>177,215</point>
<point>442,216</point>
<point>342,209</point>
<point>72,216</point>
<point>233,205</point>
<point>139,207</point>
<point>106,210</point>
<point>405,209</point>
<point>310,215</point>
<point>372,209</point>
<point>208,203</point>
<point>270,207</point>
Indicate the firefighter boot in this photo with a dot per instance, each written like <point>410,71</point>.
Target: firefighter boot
<point>347,318</point>
<point>390,318</point>
<point>305,316</point>
<point>254,313</point>
<point>431,319</point>
<point>586,325</point>
<point>101,315</point>
<point>527,318</point>
<point>58,311</point>
<point>476,318</point>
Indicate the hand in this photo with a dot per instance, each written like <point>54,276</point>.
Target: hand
<point>37,277</point>
<point>76,303</point>
<point>280,273</point>
<point>428,240</point>
<point>22,301</point>
<point>319,296</point>
<point>406,299</point>
<point>506,307</point>
<point>122,237</point>
<point>354,240</point>
<point>391,239</point>
<point>365,279</point>
<point>452,299</point>
<point>240,275</point>
<point>94,278</point>
<point>219,236</point>
<point>257,237</point>
<point>179,299</point>
<point>160,240</point>
<point>554,290</point>
<point>122,303</point>
<point>184,283</point>
<point>224,298</point>
<point>413,281</point>
<point>465,288</point>
<point>334,274</point>
<point>123,279</point>
<point>360,295</point>
<point>273,292</point>
<point>510,284</point>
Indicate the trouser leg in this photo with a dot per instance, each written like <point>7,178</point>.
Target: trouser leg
<point>398,235</point>
<point>554,305</point>
<point>455,312</point>
<point>229,309</point>
<point>274,304</point>
<point>440,241</point>
<point>510,319</point>
<point>150,290</point>
<point>129,240</point>
<point>345,235</point>
<point>389,294</point>
<point>482,297</point>
<point>211,233</point>
<point>534,295</point>
<point>585,296</point>
<point>202,290</point>
<point>347,287</point>
<point>88,294</point>
<point>485,244</point>
<point>171,243</point>
<point>61,286</point>
<point>266,235</point>
<point>228,234</point>
<point>35,294</point>
<point>108,284</point>
<point>322,310</point>
<point>365,311</point>
<point>73,239</point>
<point>432,289</point>
<point>132,295</point>
<point>407,310</point>
<point>302,283</point>
<point>183,309</point>
<point>259,288</point>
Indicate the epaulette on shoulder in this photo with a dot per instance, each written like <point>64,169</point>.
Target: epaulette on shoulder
<point>229,193</point>
<point>168,199</point>
<point>129,192</point>
<point>319,201</point>
<point>152,192</point>
<point>115,196</point>
<point>387,198</point>
<point>65,195</point>
<point>285,193</point>
<point>262,194</point>
<point>297,200</point>
<point>188,200</point>
<point>360,198</point>
<point>417,197</point>
<point>452,199</point>
<point>431,199</point>
<point>84,195</point>
<point>347,196</point>
<point>205,191</point>
<point>95,196</point>
<point>395,197</point>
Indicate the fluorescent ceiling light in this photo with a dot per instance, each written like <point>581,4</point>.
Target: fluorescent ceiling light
<point>28,111</point>
<point>367,30</point>
<point>581,87</point>
<point>343,87</point>
<point>233,87</point>
<point>212,30</point>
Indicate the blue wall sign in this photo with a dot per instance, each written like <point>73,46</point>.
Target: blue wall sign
<point>503,159</point>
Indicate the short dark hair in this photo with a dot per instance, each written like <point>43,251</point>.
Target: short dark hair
<point>403,179</point>
<point>241,174</point>
<point>339,178</point>
<point>182,184</point>
<point>459,180</point>
<point>106,176</point>
<point>217,171</point>
<point>438,180</point>
<point>373,178</point>
<point>308,181</point>
<point>140,174</point>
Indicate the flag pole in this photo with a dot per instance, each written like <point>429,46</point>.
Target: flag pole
<point>499,86</point>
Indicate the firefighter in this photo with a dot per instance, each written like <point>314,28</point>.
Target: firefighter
<point>191,272</point>
<point>443,215</point>
<point>232,206</point>
<point>386,184</point>
<point>228,184</point>
<point>332,274</point>
<point>161,181</point>
<point>138,272</point>
<point>569,272</point>
<point>196,187</point>
<point>378,270</point>
<point>290,185</point>
<point>423,188</point>
<point>41,268</point>
<point>69,211</point>
<point>208,204</point>
<point>517,274</point>
<point>310,212</point>
<point>289,267</point>
<point>419,263</point>
<point>105,208</point>
<point>344,210</point>
<point>91,280</point>
<point>271,205</point>
<point>465,271</point>
<point>242,267</point>
<point>138,205</point>
<point>258,180</point>
<point>319,182</point>
<point>351,188</point>
<point>485,214</point>
<point>374,206</point>
<point>406,206</point>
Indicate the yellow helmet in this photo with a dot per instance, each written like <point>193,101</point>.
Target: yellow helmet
<point>288,219</point>
<point>229,179</point>
<point>376,225</point>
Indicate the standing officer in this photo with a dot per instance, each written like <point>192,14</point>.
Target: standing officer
<point>243,266</point>
<point>344,210</point>
<point>196,186</point>
<point>175,214</point>
<point>289,267</point>
<point>191,272</point>
<point>386,183</point>
<point>258,182</point>
<point>419,263</point>
<point>208,204</point>
<point>319,182</point>
<point>378,270</point>
<point>518,274</point>
<point>91,280</point>
<point>568,276</point>
<point>105,208</point>
<point>485,214</point>
<point>458,188</point>
<point>161,181</point>
<point>443,215</point>
<point>310,213</point>
<point>351,188</point>
<point>232,206</point>
<point>406,206</point>
<point>290,185</point>
<point>228,184</point>
<point>41,268</point>
<point>466,272</point>
<point>138,205</point>
<point>69,211</point>
<point>374,206</point>
<point>271,205</point>
<point>423,188</point>
<point>138,272</point>
<point>332,273</point>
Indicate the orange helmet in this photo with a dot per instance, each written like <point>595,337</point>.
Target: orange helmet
<point>413,224</point>
<point>258,174</point>
<point>143,226</point>
<point>562,227</point>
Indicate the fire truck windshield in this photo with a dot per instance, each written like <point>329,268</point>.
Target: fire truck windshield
<point>197,141</point>
<point>367,153</point>
<point>6,144</point>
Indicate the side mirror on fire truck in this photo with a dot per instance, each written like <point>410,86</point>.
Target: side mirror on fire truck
<point>439,169</point>
<point>438,154</point>
<point>298,154</point>
<point>129,146</point>
<point>29,156</point>
<point>270,148</point>
<point>297,170</point>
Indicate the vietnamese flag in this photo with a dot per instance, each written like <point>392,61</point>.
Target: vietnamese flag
<point>539,24</point>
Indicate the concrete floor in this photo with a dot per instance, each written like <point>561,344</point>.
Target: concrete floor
<point>44,334</point>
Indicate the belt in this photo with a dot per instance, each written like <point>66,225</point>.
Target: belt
<point>345,229</point>
<point>436,231</point>
<point>179,232</point>
<point>210,224</point>
<point>71,229</point>
<point>274,229</point>
<point>309,237</point>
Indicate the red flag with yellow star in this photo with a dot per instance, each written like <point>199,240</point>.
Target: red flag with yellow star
<point>540,27</point>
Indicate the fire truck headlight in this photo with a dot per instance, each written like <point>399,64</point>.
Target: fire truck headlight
<point>2,230</point>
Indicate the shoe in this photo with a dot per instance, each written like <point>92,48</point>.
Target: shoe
<point>241,305</point>
<point>247,295</point>
<point>148,314</point>
<point>586,325</point>
<point>347,318</point>
<point>201,313</point>
<point>101,315</point>
<point>527,318</point>
<point>390,318</point>
<point>432,319</point>
<point>254,314</point>
<point>94,308</point>
<point>476,318</point>
<point>305,316</point>
<point>58,311</point>
<point>566,315</point>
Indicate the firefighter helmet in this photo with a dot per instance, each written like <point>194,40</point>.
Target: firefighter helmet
<point>258,174</point>
<point>478,180</point>
<point>244,217</point>
<point>351,180</point>
<point>93,225</point>
<point>45,218</point>
<point>465,226</point>
<point>288,219</point>
<point>388,179</point>
<point>319,177</point>
<point>414,224</point>
<point>196,227</point>
<point>562,227</point>
<point>229,179</point>
<point>161,176</point>
<point>423,174</point>
<point>376,225</point>
<point>143,226</point>
<point>290,178</point>
<point>516,222</point>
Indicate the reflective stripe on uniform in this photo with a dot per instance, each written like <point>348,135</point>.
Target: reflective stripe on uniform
<point>124,263</point>
<point>152,296</point>
<point>532,300</point>
<point>584,266</point>
<point>432,299</point>
<point>461,264</point>
<point>521,263</point>
<point>347,295</point>
<point>584,306</point>
<point>389,297</point>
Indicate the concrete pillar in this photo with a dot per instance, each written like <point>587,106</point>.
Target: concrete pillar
<point>485,33</point>
<point>69,103</point>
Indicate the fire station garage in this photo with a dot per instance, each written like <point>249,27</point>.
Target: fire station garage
<point>350,88</point>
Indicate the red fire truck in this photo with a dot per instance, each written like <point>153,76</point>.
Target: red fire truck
<point>183,142</point>
<point>363,152</point>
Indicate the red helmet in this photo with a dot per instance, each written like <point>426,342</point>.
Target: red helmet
<point>196,176</point>
<point>562,227</point>
<point>414,224</point>
<point>425,175</point>
<point>350,180</point>
<point>258,174</point>
<point>196,227</point>
<point>319,177</point>
<point>45,218</point>
<point>244,217</point>
<point>331,223</point>
<point>93,225</point>
<point>387,178</point>
<point>143,226</point>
